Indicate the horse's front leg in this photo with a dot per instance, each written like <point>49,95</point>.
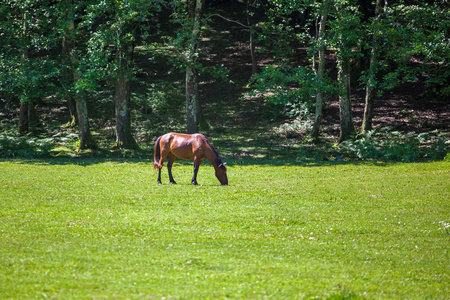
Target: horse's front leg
<point>169,167</point>
<point>197,163</point>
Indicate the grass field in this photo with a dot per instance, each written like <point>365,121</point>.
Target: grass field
<point>98,229</point>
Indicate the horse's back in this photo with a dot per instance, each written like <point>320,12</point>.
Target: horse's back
<point>182,135</point>
<point>184,146</point>
<point>184,138</point>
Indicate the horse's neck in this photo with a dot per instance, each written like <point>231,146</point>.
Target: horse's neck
<point>213,158</point>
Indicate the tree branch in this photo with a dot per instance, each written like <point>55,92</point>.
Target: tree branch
<point>232,21</point>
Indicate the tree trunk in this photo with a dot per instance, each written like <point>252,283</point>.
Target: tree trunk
<point>319,74</point>
<point>24,117</point>
<point>86,139</point>
<point>372,82</point>
<point>67,48</point>
<point>28,118</point>
<point>368,106</point>
<point>345,104</point>
<point>195,8</point>
<point>124,138</point>
<point>72,113</point>
<point>192,103</point>
<point>24,112</point>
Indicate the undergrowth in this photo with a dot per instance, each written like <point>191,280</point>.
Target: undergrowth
<point>384,144</point>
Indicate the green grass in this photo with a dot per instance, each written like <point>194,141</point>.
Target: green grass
<point>98,229</point>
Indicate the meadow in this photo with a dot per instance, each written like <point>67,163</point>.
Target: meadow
<point>103,229</point>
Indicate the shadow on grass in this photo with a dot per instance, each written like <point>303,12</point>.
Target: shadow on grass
<point>231,162</point>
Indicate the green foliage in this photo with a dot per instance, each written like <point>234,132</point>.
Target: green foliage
<point>175,38</point>
<point>157,98</point>
<point>13,144</point>
<point>297,86</point>
<point>345,29</point>
<point>163,104</point>
<point>294,87</point>
<point>275,81</point>
<point>281,32</point>
<point>27,69</point>
<point>30,79</point>
<point>27,146</point>
<point>113,28</point>
<point>295,129</point>
<point>104,229</point>
<point>396,146</point>
<point>413,41</point>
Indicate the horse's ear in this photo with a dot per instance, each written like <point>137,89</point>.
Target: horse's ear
<point>223,165</point>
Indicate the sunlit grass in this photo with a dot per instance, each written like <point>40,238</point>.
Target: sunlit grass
<point>105,229</point>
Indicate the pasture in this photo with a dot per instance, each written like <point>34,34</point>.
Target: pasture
<point>104,229</point>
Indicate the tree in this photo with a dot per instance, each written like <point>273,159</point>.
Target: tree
<point>129,26</point>
<point>195,10</point>
<point>27,68</point>
<point>320,70</point>
<point>66,26</point>
<point>346,36</point>
<point>115,30</point>
<point>373,68</point>
<point>73,39</point>
<point>124,137</point>
<point>124,43</point>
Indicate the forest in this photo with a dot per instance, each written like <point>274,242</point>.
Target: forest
<point>326,80</point>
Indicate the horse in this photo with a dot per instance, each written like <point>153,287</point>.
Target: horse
<point>187,146</point>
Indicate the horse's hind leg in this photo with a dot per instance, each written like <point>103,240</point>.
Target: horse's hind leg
<point>161,162</point>
<point>169,167</point>
<point>159,176</point>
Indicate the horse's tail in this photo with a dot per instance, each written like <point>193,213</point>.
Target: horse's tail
<point>157,155</point>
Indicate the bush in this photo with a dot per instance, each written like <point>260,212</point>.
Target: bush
<point>294,129</point>
<point>12,144</point>
<point>24,146</point>
<point>395,146</point>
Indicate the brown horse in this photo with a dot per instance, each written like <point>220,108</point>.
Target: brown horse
<point>187,146</point>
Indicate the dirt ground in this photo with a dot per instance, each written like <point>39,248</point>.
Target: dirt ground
<point>407,108</point>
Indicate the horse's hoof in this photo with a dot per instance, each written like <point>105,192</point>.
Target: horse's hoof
<point>159,183</point>
<point>194,183</point>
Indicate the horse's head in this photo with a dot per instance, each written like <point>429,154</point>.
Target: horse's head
<point>221,174</point>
